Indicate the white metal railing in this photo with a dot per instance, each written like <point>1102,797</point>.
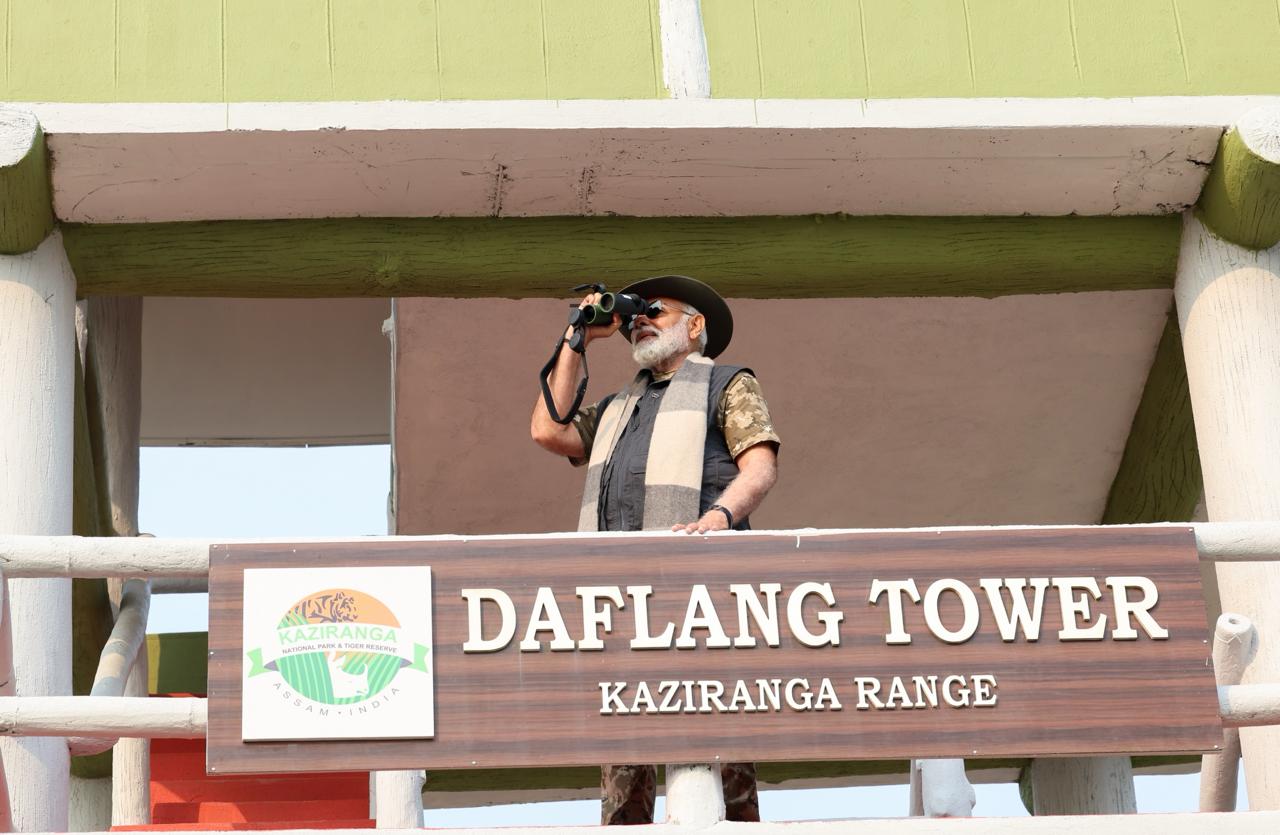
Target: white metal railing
<point>94,723</point>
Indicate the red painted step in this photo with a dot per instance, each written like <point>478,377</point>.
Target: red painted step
<point>235,827</point>
<point>260,787</point>
<point>254,811</point>
<point>185,798</point>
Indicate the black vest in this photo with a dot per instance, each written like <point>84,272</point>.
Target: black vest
<point>621,506</point>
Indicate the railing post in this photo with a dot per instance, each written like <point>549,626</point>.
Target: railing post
<point>695,795</point>
<point>398,799</point>
<point>1233,643</point>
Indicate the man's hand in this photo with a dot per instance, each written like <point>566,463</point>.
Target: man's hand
<point>595,332</point>
<point>757,473</point>
<point>712,520</point>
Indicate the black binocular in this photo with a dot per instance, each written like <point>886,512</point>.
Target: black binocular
<point>626,305</point>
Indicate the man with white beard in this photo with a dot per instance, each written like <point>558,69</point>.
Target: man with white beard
<point>687,446</point>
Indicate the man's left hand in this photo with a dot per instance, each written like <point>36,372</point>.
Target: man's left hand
<point>712,520</point>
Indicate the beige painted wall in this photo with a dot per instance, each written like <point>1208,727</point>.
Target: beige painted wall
<point>266,372</point>
<point>938,411</point>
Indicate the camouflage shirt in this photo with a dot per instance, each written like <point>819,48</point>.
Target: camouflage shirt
<point>742,415</point>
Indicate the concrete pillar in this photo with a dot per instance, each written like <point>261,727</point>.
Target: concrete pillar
<point>37,367</point>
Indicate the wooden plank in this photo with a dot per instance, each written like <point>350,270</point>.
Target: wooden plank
<point>1159,476</point>
<point>508,708</point>
<point>742,257</point>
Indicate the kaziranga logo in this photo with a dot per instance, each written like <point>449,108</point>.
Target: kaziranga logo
<point>338,647</point>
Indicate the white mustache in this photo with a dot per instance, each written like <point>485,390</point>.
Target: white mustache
<point>636,333</point>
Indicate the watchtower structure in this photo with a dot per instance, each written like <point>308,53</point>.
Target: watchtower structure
<point>995,262</point>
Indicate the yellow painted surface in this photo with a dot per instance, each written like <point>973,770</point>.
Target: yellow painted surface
<point>385,49</point>
<point>1132,45</point>
<point>732,44</point>
<point>1228,56</point>
<point>492,49</point>
<point>277,51</point>
<point>4,46</point>
<point>290,50</point>
<point>1024,47</point>
<point>616,36</point>
<point>918,48</point>
<point>80,33</point>
<point>801,60</point>
<point>1049,48</point>
<point>164,51</point>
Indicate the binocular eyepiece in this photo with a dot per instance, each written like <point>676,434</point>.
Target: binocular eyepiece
<point>626,305</point>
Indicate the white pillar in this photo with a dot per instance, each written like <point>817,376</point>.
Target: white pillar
<point>1228,301</point>
<point>90,805</point>
<point>37,367</point>
<point>131,761</point>
<point>695,795</point>
<point>398,799</point>
<point>1087,785</point>
<point>941,789</point>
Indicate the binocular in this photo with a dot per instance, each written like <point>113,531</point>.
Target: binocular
<point>626,305</point>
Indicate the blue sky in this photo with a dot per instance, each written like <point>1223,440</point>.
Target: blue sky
<point>341,492</point>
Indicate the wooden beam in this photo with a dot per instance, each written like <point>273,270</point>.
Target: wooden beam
<point>751,257</point>
<point>26,197</point>
<point>1241,198</point>
<point>1159,475</point>
<point>157,162</point>
<point>90,606</point>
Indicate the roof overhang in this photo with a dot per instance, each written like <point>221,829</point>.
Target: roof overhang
<point>146,163</point>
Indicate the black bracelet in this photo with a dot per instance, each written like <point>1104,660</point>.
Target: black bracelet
<point>723,510</point>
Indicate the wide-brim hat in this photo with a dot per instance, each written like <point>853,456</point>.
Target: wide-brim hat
<point>692,292</point>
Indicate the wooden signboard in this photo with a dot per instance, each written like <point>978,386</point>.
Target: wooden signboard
<point>757,647</point>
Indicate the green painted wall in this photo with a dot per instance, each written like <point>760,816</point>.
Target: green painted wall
<point>339,50</point>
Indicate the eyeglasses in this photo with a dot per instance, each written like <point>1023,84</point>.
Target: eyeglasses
<point>659,305</point>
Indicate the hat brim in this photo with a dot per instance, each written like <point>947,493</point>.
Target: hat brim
<point>692,292</point>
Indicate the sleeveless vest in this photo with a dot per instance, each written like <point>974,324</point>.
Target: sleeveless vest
<point>621,506</point>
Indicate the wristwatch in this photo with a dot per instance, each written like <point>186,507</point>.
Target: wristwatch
<point>723,510</point>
